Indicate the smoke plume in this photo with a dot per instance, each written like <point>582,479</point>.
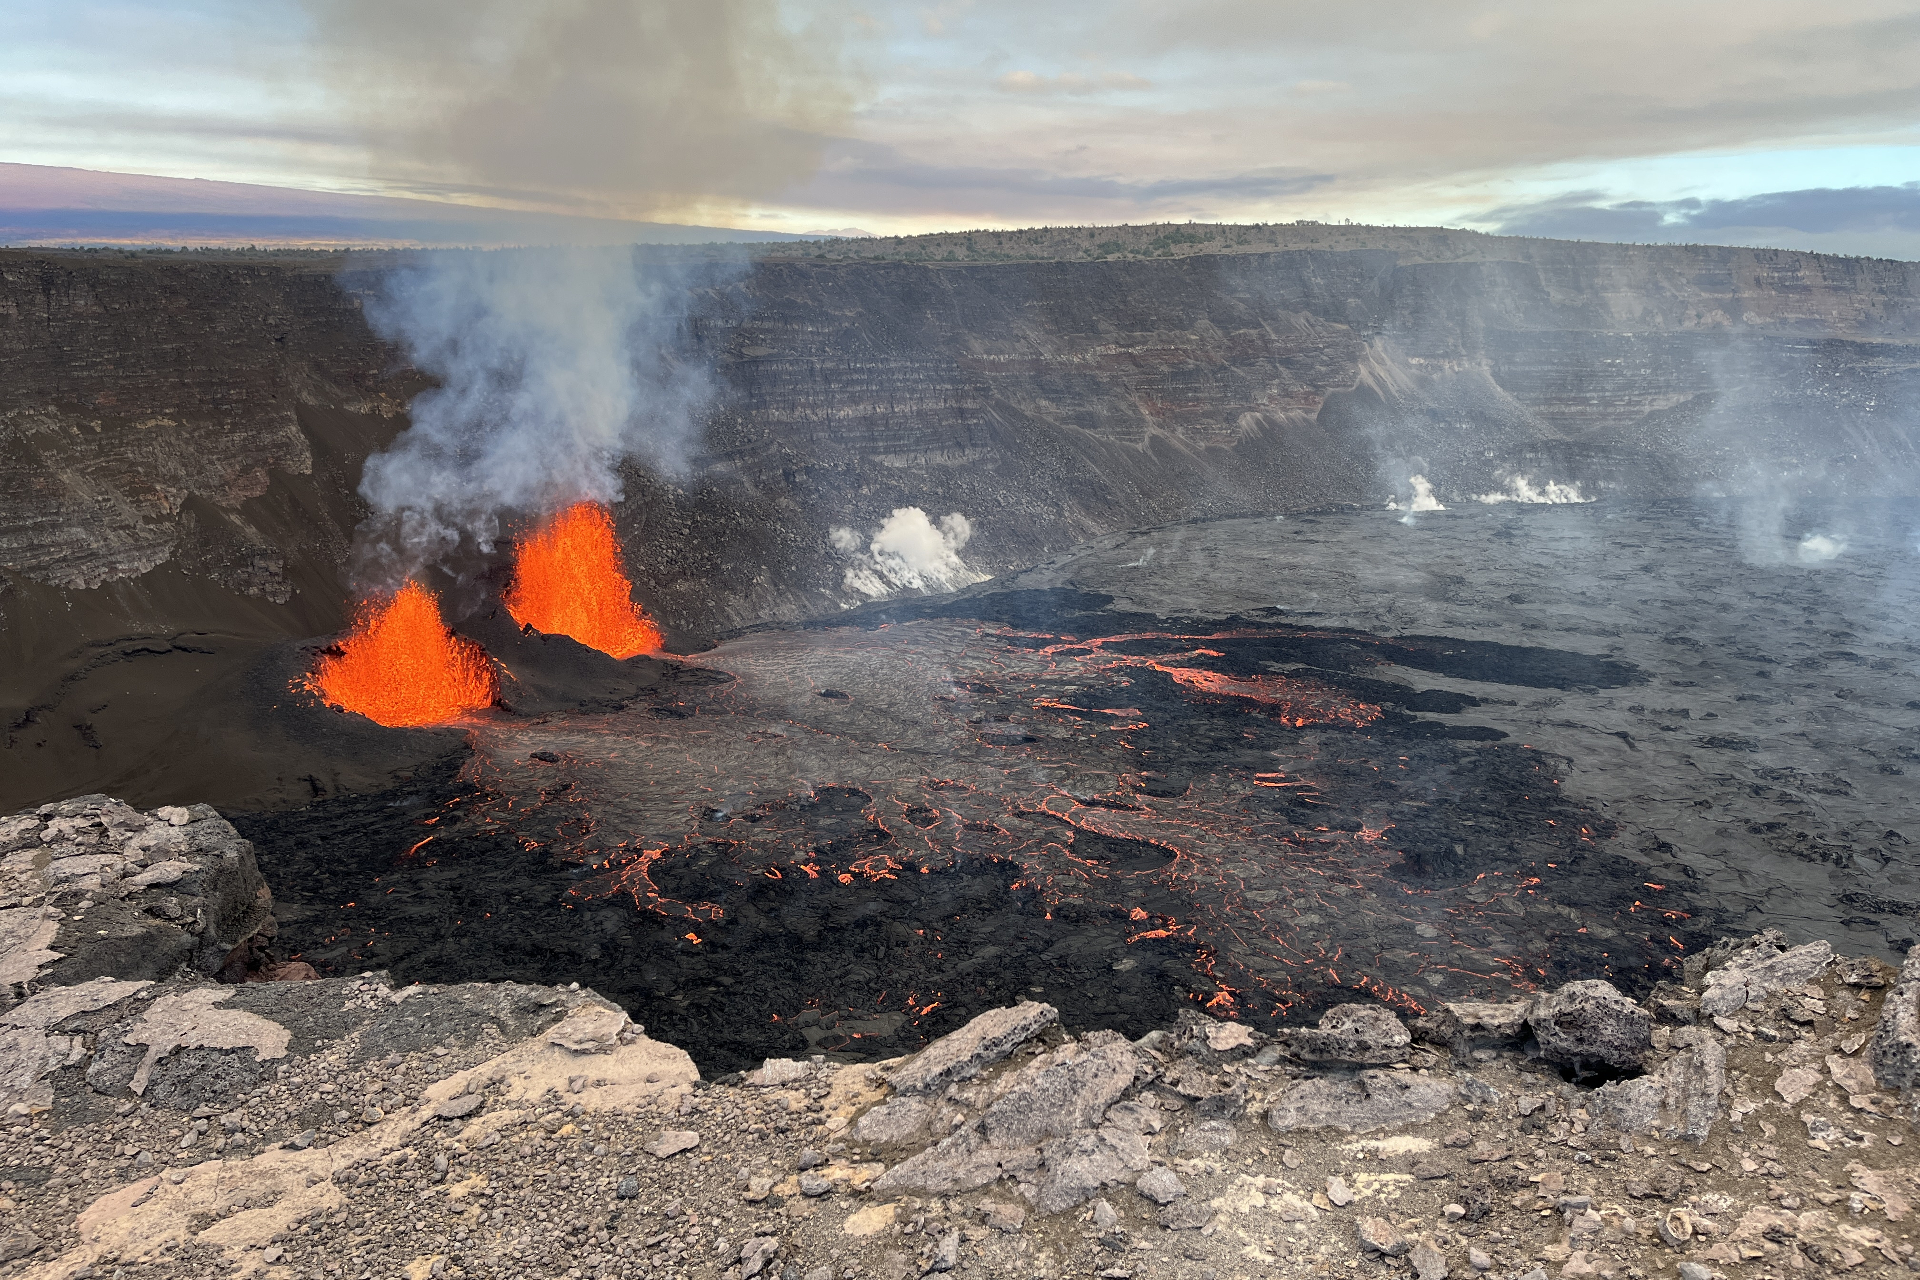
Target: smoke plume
<point>908,552</point>
<point>553,365</point>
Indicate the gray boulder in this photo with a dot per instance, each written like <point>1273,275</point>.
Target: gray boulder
<point>1160,1185</point>
<point>1895,1050</point>
<point>963,1054</point>
<point>1359,1103</point>
<point>1680,1100</point>
<point>1059,1092</point>
<point>1591,1022</point>
<point>1078,1166</point>
<point>1362,1033</point>
<point>1757,973</point>
<point>962,1161</point>
<point>893,1123</point>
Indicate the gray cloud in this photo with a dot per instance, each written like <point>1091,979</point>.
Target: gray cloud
<point>868,175</point>
<point>622,107</point>
<point>1874,218</point>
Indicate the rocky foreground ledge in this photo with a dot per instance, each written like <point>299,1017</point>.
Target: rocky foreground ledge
<point>161,1121</point>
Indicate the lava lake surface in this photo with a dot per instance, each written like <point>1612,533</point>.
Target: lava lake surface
<point>1264,765</point>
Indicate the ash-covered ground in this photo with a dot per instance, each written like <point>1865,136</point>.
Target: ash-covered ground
<point>1262,765</point>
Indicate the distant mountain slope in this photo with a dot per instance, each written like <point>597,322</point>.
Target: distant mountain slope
<point>45,205</point>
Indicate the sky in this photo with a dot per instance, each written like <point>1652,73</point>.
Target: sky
<point>1756,121</point>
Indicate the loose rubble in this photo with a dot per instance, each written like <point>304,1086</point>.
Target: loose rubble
<point>317,1130</point>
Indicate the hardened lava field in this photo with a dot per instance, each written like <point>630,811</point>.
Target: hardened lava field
<point>849,836</point>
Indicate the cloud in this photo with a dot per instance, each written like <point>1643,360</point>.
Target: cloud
<point>1314,88</point>
<point>860,175</point>
<point>1071,82</point>
<point>1811,218</point>
<point>628,107</point>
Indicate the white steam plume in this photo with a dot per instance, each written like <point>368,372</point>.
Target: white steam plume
<point>908,552</point>
<point>1422,499</point>
<point>552,365</point>
<point>1818,548</point>
<point>1522,489</point>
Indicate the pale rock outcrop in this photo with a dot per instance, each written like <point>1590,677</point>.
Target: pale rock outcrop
<point>1757,973</point>
<point>964,1054</point>
<point>1681,1099</point>
<point>1362,1102</point>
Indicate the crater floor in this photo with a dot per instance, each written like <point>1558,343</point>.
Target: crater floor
<point>1262,765</point>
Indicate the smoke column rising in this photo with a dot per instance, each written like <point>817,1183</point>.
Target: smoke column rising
<point>553,365</point>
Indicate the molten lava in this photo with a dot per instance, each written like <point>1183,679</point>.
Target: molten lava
<point>567,580</point>
<point>399,665</point>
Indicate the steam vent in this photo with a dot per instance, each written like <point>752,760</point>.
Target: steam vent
<point>1266,751</point>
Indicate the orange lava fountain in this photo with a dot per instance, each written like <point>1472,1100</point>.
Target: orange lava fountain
<point>399,665</point>
<point>567,580</point>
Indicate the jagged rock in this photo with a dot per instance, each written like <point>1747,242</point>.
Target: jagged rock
<point>1211,1092</point>
<point>1795,1083</point>
<point>1894,1051</point>
<point>1380,1236</point>
<point>895,1122</point>
<point>672,1143</point>
<point>963,1054</point>
<point>1476,1021</point>
<point>1680,1100</point>
<point>1359,1103</point>
<point>593,1028</point>
<point>1859,971</point>
<point>1428,1262</point>
<point>1758,972</point>
<point>1080,1165</point>
<point>1136,1117</point>
<point>945,1253</point>
<point>162,896</point>
<point>1591,1022</point>
<point>1224,1037</point>
<point>962,1161</point>
<point>755,1253</point>
<point>1160,1185</point>
<point>1059,1092</point>
<point>1338,1193</point>
<point>457,1108</point>
<point>776,1073</point>
<point>1363,1033</point>
<point>1002,1216</point>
